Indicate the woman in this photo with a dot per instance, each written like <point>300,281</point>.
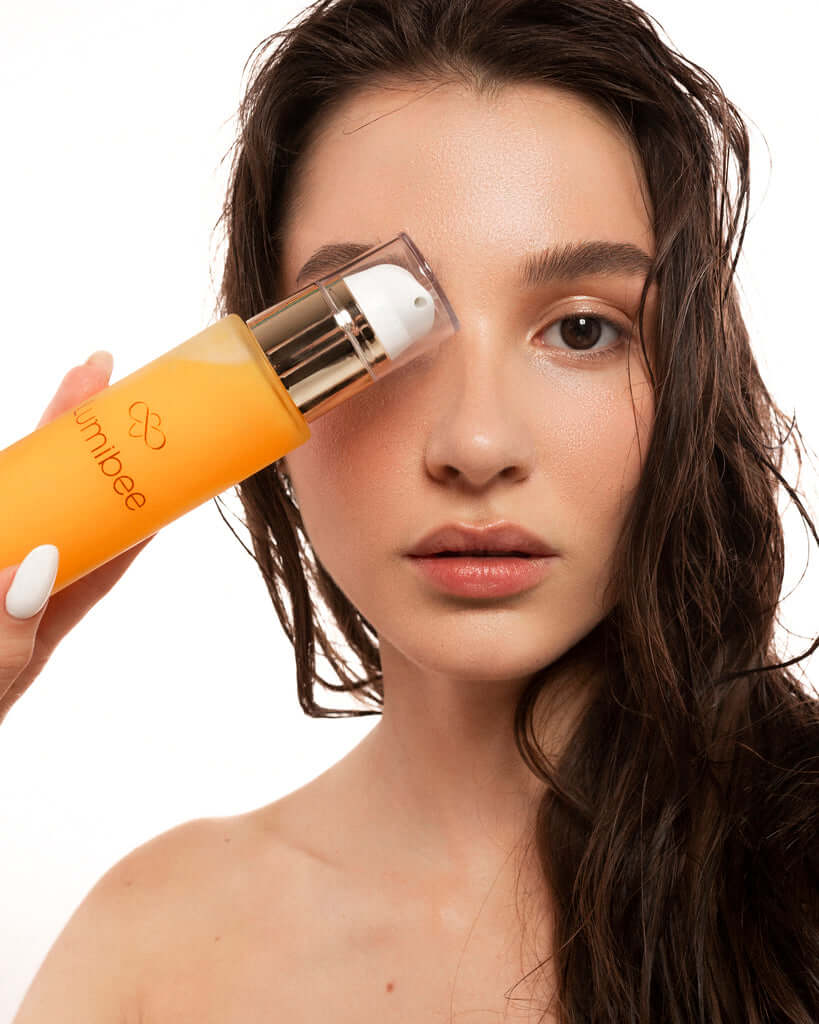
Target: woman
<point>588,800</point>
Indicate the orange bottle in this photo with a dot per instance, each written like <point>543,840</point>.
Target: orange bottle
<point>214,410</point>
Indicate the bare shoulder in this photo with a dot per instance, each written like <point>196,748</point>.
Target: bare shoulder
<point>198,881</point>
<point>166,905</point>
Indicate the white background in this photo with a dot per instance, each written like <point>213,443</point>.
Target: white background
<point>176,697</point>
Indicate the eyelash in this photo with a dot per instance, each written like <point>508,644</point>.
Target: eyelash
<point>578,355</point>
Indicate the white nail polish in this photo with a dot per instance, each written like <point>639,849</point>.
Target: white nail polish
<point>32,582</point>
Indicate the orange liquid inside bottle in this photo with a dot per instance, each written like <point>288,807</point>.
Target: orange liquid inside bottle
<point>146,450</point>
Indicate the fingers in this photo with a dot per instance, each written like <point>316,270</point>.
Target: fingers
<point>26,641</point>
<point>78,384</point>
<point>26,590</point>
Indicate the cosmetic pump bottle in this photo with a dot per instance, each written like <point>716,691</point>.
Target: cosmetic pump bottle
<point>214,410</point>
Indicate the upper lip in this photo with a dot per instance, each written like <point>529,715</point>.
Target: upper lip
<point>501,536</point>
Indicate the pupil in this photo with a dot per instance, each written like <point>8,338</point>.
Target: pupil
<point>589,335</point>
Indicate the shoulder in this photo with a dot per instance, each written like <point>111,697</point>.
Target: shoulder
<point>198,881</point>
<point>133,929</point>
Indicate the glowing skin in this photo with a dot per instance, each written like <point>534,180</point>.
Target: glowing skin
<point>501,423</point>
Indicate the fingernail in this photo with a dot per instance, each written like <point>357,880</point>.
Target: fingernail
<point>102,359</point>
<point>32,582</point>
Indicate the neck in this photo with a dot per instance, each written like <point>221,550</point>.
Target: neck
<point>446,792</point>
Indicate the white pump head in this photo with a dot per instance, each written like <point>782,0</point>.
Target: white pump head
<point>399,308</point>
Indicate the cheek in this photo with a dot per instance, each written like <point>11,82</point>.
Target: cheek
<point>603,436</point>
<point>333,476</point>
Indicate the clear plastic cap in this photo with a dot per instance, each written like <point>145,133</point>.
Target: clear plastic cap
<point>396,290</point>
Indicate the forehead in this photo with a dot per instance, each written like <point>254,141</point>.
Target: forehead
<point>475,177</point>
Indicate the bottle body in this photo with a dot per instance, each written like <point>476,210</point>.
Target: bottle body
<point>132,458</point>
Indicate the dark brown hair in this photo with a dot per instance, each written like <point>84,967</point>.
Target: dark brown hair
<point>677,835</point>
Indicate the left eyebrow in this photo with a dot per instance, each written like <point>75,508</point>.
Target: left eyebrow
<point>560,263</point>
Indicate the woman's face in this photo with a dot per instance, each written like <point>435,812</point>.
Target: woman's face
<point>508,419</point>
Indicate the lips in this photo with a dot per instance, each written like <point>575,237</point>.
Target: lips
<point>470,576</point>
<point>466,539</point>
<point>480,554</point>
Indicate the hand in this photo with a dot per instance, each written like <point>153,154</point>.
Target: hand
<point>27,644</point>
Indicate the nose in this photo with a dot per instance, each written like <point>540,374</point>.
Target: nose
<point>481,432</point>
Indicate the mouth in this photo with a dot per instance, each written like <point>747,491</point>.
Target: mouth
<point>478,554</point>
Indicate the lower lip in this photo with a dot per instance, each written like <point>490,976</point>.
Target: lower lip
<point>483,577</point>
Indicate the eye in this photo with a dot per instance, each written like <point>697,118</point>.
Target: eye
<point>581,335</point>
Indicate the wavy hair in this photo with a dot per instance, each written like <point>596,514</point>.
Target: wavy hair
<point>677,832</point>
